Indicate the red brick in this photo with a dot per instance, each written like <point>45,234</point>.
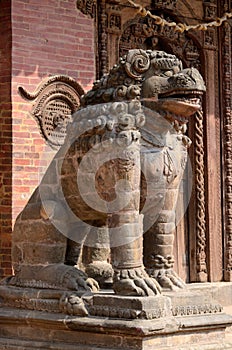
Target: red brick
<point>6,264</point>
<point>22,135</point>
<point>6,251</point>
<point>4,209</point>
<point>31,169</point>
<point>32,183</point>
<point>22,141</point>
<point>22,161</point>
<point>7,181</point>
<point>17,182</point>
<point>5,117</point>
<point>7,271</point>
<point>6,202</point>
<point>38,142</point>
<point>16,121</point>
<point>32,155</point>
<point>5,243</point>
<point>22,189</point>
<point>41,46</point>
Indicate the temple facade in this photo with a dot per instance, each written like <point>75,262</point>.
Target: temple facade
<point>50,55</point>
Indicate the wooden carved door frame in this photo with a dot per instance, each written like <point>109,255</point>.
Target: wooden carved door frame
<point>225,54</point>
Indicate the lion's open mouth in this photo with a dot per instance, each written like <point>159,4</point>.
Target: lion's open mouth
<point>192,98</point>
<point>181,103</point>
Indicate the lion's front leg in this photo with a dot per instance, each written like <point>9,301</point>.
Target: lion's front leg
<point>163,171</point>
<point>158,244</point>
<point>118,183</point>
<point>126,239</point>
<point>130,277</point>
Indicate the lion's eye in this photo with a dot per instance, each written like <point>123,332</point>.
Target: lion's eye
<point>168,73</point>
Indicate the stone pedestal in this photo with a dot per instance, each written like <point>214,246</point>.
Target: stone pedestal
<point>188,320</point>
<point>130,308</point>
<point>23,330</point>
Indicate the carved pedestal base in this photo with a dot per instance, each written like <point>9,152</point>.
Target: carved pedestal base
<point>187,302</point>
<point>188,320</point>
<point>23,329</point>
<point>119,307</point>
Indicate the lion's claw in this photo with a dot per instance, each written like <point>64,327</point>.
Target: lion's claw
<point>74,279</point>
<point>135,282</point>
<point>92,284</point>
<point>167,278</point>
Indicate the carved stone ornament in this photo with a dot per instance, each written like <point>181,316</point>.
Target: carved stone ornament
<point>132,122</point>
<point>88,7</point>
<point>145,34</point>
<point>54,102</point>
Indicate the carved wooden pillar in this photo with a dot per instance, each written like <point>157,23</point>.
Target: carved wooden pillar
<point>213,155</point>
<point>102,39</point>
<point>197,219</point>
<point>226,114</point>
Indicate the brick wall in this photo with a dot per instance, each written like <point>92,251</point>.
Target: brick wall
<point>5,138</point>
<point>48,37</point>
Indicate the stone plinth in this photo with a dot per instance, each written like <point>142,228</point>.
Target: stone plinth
<point>23,329</point>
<point>188,320</point>
<point>114,306</point>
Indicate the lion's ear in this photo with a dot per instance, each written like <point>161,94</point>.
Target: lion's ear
<point>137,62</point>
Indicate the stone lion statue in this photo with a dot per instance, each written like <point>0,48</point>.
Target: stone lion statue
<point>119,172</point>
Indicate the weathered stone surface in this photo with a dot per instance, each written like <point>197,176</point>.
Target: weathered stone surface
<point>187,303</point>
<point>114,322</point>
<point>20,329</point>
<point>132,121</point>
<point>219,291</point>
<point>40,231</point>
<point>130,307</point>
<point>101,271</point>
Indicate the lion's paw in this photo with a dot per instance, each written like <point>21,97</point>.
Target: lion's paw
<point>92,284</point>
<point>75,279</point>
<point>71,304</point>
<point>135,282</point>
<point>167,278</point>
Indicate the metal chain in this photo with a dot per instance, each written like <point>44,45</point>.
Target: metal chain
<point>178,27</point>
